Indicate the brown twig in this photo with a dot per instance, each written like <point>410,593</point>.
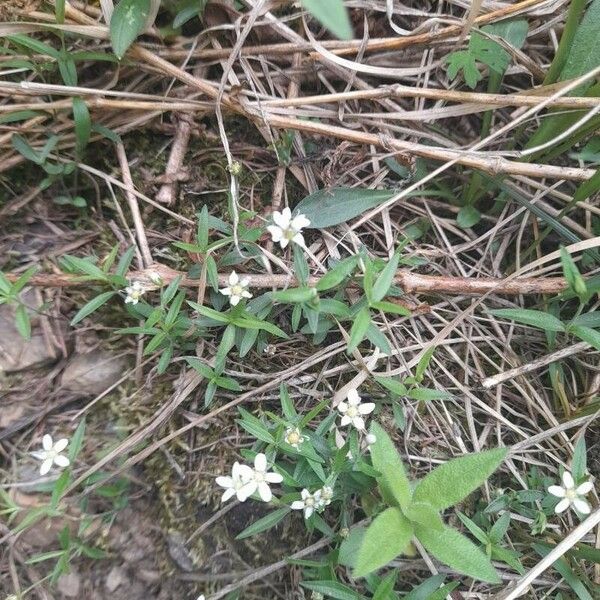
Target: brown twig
<point>411,283</point>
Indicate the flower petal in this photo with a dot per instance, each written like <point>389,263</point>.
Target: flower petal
<point>245,282</point>
<point>366,408</point>
<point>282,219</point>
<point>260,462</point>
<point>246,294</point>
<point>283,242</point>
<point>47,442</point>
<point>224,481</point>
<point>584,488</point>
<point>276,232</point>
<point>61,445</point>
<point>46,466</point>
<point>359,423</point>
<point>243,472</point>
<point>297,505</point>
<point>567,479</point>
<point>234,300</point>
<point>246,491</point>
<point>61,460</point>
<point>225,291</point>
<point>308,511</point>
<point>264,491</point>
<point>582,506</point>
<point>557,490</point>
<point>273,478</point>
<point>305,494</point>
<point>299,222</point>
<point>229,493</point>
<point>562,506</point>
<point>233,278</point>
<point>353,397</point>
<point>299,239</point>
<point>346,420</point>
<point>342,407</point>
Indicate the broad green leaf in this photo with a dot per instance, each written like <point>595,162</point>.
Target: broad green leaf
<point>332,14</point>
<point>468,216</point>
<point>386,587</point>
<point>427,394</point>
<point>24,149</point>
<point>393,385</point>
<point>579,462</point>
<point>377,337</point>
<point>591,319</point>
<point>83,124</point>
<point>425,590</point>
<point>394,482</point>
<point>390,307</point>
<point>255,427</point>
<point>337,274</point>
<point>514,31</point>
<point>387,537</point>
<point>359,329</point>
<point>126,23</point>
<point>267,522</point>
<point>424,514</point>
<point>211,313</point>
<point>34,45</point>
<point>199,366</point>
<point>93,305</point>
<point>23,322</point>
<point>591,336</point>
<point>76,442</point>
<point>350,546</point>
<point>294,295</point>
<point>329,207</point>
<point>248,322</point>
<point>332,589</point>
<point>453,481</point>
<point>535,318</point>
<point>385,279</point>
<point>455,550</point>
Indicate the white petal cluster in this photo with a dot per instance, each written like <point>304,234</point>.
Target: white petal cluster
<point>51,454</point>
<point>134,292</point>
<point>354,410</point>
<point>572,495</point>
<point>245,480</point>
<point>313,502</point>
<point>237,289</point>
<point>288,229</point>
<point>294,437</point>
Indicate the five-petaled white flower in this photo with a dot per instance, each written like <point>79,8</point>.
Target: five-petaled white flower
<point>288,229</point>
<point>237,289</point>
<point>261,478</point>
<point>134,292</point>
<point>325,496</point>
<point>51,454</point>
<point>354,410</point>
<point>294,437</point>
<point>309,503</point>
<point>240,483</point>
<point>571,495</point>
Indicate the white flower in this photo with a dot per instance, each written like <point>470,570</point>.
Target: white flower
<point>325,496</point>
<point>571,495</point>
<point>286,229</point>
<point>354,410</point>
<point>201,597</point>
<point>51,454</point>
<point>134,292</point>
<point>237,289</point>
<point>309,503</point>
<point>293,437</point>
<point>261,478</point>
<point>240,484</point>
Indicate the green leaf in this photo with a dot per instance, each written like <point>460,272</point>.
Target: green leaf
<point>295,295</point>
<point>463,60</point>
<point>467,217</point>
<point>211,313</point>
<point>387,537</point>
<point>535,318</point>
<point>255,427</point>
<point>394,482</point>
<point>126,23</point>
<point>425,590</point>
<point>83,124</point>
<point>455,550</point>
<point>424,514</point>
<point>60,485</point>
<point>579,462</point>
<point>386,587</point>
<point>332,589</point>
<point>359,329</point>
<point>385,279</point>
<point>332,14</point>
<point>514,31</point>
<point>267,522</point>
<point>591,319</point>
<point>59,11</point>
<point>22,322</point>
<point>337,274</point>
<point>199,366</point>
<point>76,442</point>
<point>453,481</point>
<point>591,336</point>
<point>34,45</point>
<point>93,305</point>
<point>24,149</point>
<point>329,207</point>
<point>393,385</point>
<point>427,394</point>
<point>390,307</point>
<point>350,546</point>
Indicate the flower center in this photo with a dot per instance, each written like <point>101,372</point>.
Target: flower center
<point>309,502</point>
<point>238,484</point>
<point>259,476</point>
<point>571,494</point>
<point>293,438</point>
<point>236,290</point>
<point>288,234</point>
<point>352,411</point>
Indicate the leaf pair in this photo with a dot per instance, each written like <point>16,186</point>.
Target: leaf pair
<point>416,512</point>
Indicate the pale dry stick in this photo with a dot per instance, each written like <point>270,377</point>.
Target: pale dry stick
<point>269,570</point>
<point>577,534</point>
<point>133,206</point>
<point>411,283</point>
<point>491,382</point>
